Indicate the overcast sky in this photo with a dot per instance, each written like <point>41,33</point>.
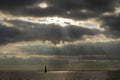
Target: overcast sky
<point>59,32</point>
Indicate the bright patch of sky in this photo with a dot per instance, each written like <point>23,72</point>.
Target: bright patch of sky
<point>43,5</point>
<point>63,22</point>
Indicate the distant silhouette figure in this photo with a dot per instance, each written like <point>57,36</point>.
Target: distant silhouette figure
<point>45,69</point>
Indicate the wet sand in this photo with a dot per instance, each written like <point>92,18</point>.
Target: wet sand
<point>60,75</point>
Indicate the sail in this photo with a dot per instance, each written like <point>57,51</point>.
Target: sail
<point>45,69</point>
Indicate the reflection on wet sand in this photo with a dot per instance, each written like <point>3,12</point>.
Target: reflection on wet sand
<point>60,75</point>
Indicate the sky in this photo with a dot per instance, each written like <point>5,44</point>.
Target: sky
<point>62,34</point>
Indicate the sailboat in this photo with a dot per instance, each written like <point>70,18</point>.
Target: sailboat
<point>45,69</point>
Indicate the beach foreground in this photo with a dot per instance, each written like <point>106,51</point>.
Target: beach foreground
<point>60,75</point>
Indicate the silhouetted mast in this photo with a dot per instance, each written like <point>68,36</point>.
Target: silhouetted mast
<point>45,69</point>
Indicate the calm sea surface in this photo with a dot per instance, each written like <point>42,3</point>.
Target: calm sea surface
<point>60,75</point>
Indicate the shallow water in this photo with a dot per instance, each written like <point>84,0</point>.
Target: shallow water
<point>60,75</point>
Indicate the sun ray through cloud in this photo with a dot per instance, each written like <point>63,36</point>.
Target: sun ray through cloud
<point>62,34</point>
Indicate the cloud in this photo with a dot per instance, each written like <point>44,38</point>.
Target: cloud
<point>9,5</point>
<point>61,7</point>
<point>71,4</point>
<point>51,32</point>
<point>91,50</point>
<point>8,33</point>
<point>108,49</point>
<point>93,8</point>
<point>112,22</point>
<point>89,46</point>
<point>22,30</point>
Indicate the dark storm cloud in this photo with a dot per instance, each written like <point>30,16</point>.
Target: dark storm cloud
<point>77,14</point>
<point>109,49</point>
<point>15,4</point>
<point>58,8</point>
<point>7,33</point>
<point>113,23</point>
<point>55,33</point>
<point>37,11</point>
<point>93,5</point>
<point>27,31</point>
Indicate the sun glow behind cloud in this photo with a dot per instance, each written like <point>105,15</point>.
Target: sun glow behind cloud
<point>63,22</point>
<point>43,5</point>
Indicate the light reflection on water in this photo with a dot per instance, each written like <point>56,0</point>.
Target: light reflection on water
<point>60,75</point>
<point>61,71</point>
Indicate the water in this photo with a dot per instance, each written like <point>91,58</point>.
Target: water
<point>60,75</point>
